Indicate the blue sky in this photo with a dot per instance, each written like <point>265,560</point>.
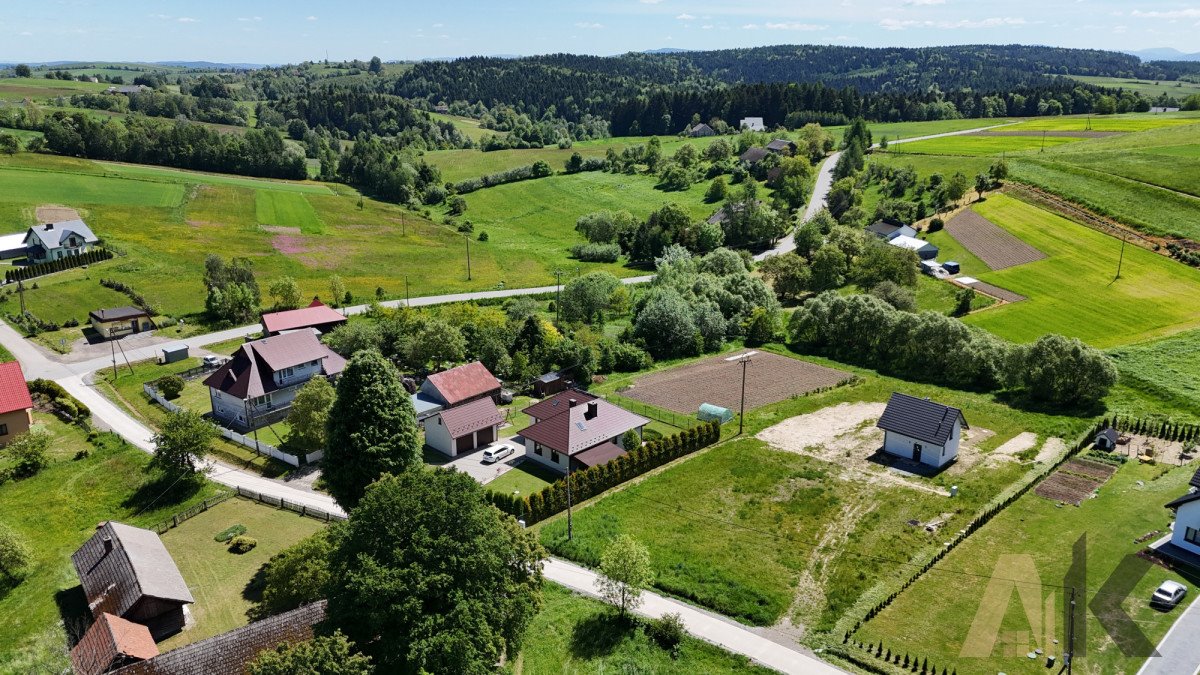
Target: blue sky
<point>275,31</point>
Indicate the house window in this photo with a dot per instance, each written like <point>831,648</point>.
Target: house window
<point>1192,536</point>
<point>537,449</point>
<point>3,429</point>
<point>554,456</point>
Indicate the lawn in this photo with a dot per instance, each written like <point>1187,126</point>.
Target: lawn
<point>932,618</point>
<point>55,512</point>
<point>1072,290</point>
<point>32,187</point>
<point>24,135</point>
<point>469,127</point>
<point>578,635</point>
<point>1165,370</point>
<point>287,209</point>
<point>1167,157</point>
<point>980,146</point>
<point>701,516</point>
<point>1127,122</point>
<point>46,303</point>
<point>525,478</point>
<point>217,578</point>
<point>20,88</point>
<point>160,173</point>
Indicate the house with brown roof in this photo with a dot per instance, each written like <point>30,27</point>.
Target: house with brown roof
<point>117,322</point>
<point>754,155</point>
<point>782,146</point>
<point>127,572</point>
<point>15,403</point>
<point>457,408</point>
<point>317,316</point>
<point>553,405</point>
<point>111,643</point>
<point>580,435</point>
<point>257,385</point>
<point>230,652</point>
<point>462,385</point>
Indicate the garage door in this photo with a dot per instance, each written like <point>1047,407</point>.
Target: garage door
<point>487,435</point>
<point>463,443</point>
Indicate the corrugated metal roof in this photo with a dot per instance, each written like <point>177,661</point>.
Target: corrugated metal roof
<point>470,417</point>
<point>920,418</point>
<point>574,431</point>
<point>14,393</point>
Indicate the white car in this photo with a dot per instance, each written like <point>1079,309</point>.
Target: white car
<point>212,361</point>
<point>493,455</point>
<point>1168,594</point>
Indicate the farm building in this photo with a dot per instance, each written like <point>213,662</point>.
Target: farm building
<point>118,322</point>
<point>709,412</point>
<point>931,267</point>
<point>461,385</point>
<point>701,130</point>
<point>12,246</point>
<point>752,123</point>
<point>464,428</point>
<point>1185,532</point>
<point>55,241</point>
<point>317,316</point>
<point>1106,439</point>
<point>923,249</point>
<point>1163,109</point>
<point>782,146</point>
<point>581,435</point>
<point>722,214</point>
<point>888,231</point>
<point>549,384</point>
<point>111,643</point>
<point>126,571</point>
<point>127,89</point>
<point>256,387</point>
<point>754,155</point>
<point>951,267</point>
<point>921,430</point>
<point>15,402</point>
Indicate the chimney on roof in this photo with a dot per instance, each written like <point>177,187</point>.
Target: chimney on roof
<point>571,403</point>
<point>592,411</point>
<point>107,544</point>
<point>49,226</point>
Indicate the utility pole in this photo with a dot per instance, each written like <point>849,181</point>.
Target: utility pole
<point>570,529</point>
<point>1043,141</point>
<point>113,347</point>
<point>557,295</point>
<point>1071,634</point>
<point>468,238</point>
<point>406,304</point>
<point>403,225</point>
<point>1121,259</point>
<point>21,292</point>
<point>744,360</point>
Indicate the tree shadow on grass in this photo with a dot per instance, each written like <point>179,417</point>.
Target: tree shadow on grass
<point>73,609</point>
<point>1023,401</point>
<point>163,490</point>
<point>599,635</point>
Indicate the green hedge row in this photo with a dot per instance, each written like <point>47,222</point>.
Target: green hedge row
<point>64,401</point>
<point>70,262</point>
<point>594,480</point>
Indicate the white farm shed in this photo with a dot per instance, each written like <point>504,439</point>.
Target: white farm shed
<point>921,430</point>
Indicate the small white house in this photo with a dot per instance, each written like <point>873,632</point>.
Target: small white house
<point>921,430</point>
<point>752,123</point>
<point>1185,533</point>
<point>464,428</point>
<point>580,435</point>
<point>55,241</point>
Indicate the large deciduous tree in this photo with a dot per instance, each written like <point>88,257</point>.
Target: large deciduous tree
<point>1065,372</point>
<point>625,572</point>
<point>183,441</point>
<point>585,298</point>
<point>426,576</point>
<point>372,428</point>
<point>295,576</point>
<point>322,655</point>
<point>309,416</point>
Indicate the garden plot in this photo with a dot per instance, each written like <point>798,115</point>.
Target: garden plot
<point>770,378</point>
<point>1075,481</point>
<point>996,247</point>
<point>846,435</point>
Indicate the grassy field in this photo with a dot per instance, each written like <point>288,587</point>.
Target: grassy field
<point>217,578</point>
<point>1127,122</point>
<point>39,188</point>
<point>578,635</point>
<point>1148,88</point>
<point>21,88</point>
<point>159,173</point>
<point>23,134</point>
<point>1072,290</point>
<point>468,126</point>
<point>979,146</point>
<point>526,478</point>
<point>56,511</point>
<point>700,517</point>
<point>932,618</point>
<point>1166,370</point>
<point>1168,157</point>
<point>287,209</point>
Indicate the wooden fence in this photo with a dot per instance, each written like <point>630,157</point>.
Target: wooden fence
<point>196,510</point>
<point>301,509</point>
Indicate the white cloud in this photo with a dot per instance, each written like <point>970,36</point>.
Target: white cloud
<point>994,22</point>
<point>589,25</point>
<point>899,24</point>
<point>707,26</point>
<point>187,19</point>
<point>311,18</point>
<point>685,17</point>
<point>164,17</point>
<point>650,2</point>
<point>439,25</point>
<point>26,33</point>
<point>1169,14</point>
<point>750,26</point>
<point>1120,29</point>
<point>924,2</point>
<point>246,19</point>
<point>793,25</point>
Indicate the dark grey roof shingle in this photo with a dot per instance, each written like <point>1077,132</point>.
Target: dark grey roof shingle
<point>137,566</point>
<point>920,418</point>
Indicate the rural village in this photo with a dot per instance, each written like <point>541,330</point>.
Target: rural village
<point>751,362</point>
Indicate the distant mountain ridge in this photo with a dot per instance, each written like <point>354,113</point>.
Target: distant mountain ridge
<point>1165,54</point>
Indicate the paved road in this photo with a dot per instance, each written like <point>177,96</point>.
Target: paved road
<point>713,628</point>
<point>1179,651</point>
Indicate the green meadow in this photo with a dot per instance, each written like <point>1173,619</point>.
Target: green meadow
<point>976,145</point>
<point>287,209</point>
<point>36,188</point>
<point>1127,122</point>
<point>1167,157</point>
<point>1073,291</point>
<point>1166,371</point>
<point>160,173</point>
<point>1148,88</point>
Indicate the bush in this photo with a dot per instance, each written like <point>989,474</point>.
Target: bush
<point>667,631</point>
<point>229,533</point>
<point>58,396</point>
<point>483,236</point>
<point>170,386</point>
<point>242,544</point>
<point>596,252</point>
<point>28,452</point>
<point>936,224</point>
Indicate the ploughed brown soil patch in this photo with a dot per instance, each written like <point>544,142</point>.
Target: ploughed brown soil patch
<point>770,378</point>
<point>997,292</point>
<point>53,213</point>
<point>989,242</point>
<point>1075,481</point>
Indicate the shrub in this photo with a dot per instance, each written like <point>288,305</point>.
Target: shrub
<point>170,386</point>
<point>667,631</point>
<point>28,452</point>
<point>230,532</point>
<point>936,224</point>
<point>596,252</point>
<point>483,236</point>
<point>242,544</point>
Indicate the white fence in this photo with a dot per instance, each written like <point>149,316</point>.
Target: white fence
<point>257,446</point>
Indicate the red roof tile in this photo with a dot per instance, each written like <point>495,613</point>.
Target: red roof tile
<point>464,383</point>
<point>14,394</point>
<point>316,315</point>
<point>111,641</point>
<point>478,414</point>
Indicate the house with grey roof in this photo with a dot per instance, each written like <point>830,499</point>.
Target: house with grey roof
<point>580,434</point>
<point>752,124</point>
<point>782,146</point>
<point>701,130</point>
<point>257,385</point>
<point>921,430</point>
<point>127,572</point>
<point>55,241</point>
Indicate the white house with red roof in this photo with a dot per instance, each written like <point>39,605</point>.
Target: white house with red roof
<point>15,402</point>
<point>573,432</point>
<point>317,316</point>
<point>257,385</point>
<point>457,408</point>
